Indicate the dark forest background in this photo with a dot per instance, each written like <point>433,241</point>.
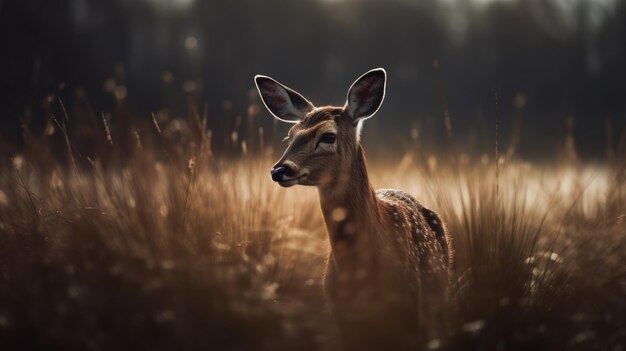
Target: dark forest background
<point>557,66</point>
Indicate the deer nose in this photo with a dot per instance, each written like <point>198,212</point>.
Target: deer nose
<point>278,173</point>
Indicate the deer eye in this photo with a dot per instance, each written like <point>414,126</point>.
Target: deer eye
<point>328,138</point>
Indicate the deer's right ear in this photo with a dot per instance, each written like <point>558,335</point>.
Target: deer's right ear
<point>284,103</point>
<point>366,94</point>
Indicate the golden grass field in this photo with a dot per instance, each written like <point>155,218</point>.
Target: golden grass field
<point>177,248</point>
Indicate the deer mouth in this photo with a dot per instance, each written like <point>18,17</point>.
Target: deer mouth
<point>287,182</point>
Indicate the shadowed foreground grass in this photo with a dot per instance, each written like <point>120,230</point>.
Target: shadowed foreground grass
<point>215,256</point>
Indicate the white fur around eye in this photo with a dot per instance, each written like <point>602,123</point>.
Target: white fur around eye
<point>324,147</point>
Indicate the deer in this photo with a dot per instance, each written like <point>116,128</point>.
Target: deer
<point>386,278</point>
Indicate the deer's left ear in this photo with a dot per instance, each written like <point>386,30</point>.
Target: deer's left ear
<point>284,103</point>
<point>366,94</point>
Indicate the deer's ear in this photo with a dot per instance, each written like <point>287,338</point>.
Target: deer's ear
<point>366,94</point>
<point>284,103</point>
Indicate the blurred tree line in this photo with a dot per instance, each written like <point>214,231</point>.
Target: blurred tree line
<point>549,61</point>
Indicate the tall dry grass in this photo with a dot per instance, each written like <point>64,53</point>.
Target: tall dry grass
<point>175,247</point>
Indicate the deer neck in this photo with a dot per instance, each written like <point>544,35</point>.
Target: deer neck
<point>350,210</point>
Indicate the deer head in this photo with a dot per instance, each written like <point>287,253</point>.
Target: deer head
<point>324,140</point>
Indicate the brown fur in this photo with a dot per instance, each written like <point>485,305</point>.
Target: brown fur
<point>387,272</point>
